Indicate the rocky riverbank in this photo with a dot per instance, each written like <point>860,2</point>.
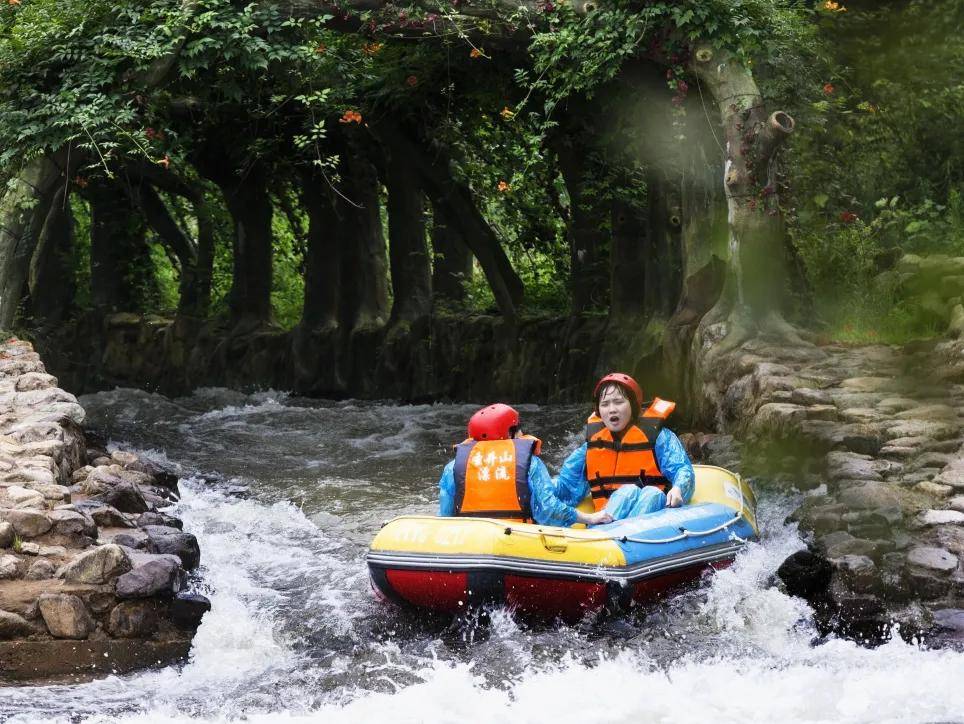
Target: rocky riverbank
<point>875,435</point>
<point>91,570</point>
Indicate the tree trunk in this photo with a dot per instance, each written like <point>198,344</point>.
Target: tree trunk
<point>435,173</point>
<point>121,271</point>
<point>452,260</point>
<point>323,258</point>
<point>156,214</point>
<point>250,207</point>
<point>756,282</point>
<point>629,260</point>
<point>364,276</point>
<point>411,272</point>
<point>663,268</point>
<point>51,280</point>
<point>23,211</point>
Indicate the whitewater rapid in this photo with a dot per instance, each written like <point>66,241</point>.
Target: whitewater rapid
<point>284,494</point>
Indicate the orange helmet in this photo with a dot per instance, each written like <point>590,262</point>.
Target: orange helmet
<point>495,422</point>
<point>624,380</point>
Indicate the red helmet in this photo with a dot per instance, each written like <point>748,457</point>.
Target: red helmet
<point>495,422</point>
<point>624,380</point>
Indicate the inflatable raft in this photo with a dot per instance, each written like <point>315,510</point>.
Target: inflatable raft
<point>450,564</point>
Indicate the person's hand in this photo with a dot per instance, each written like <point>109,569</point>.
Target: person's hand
<point>597,518</point>
<point>674,498</point>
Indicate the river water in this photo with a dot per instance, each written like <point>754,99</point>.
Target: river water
<point>284,495</point>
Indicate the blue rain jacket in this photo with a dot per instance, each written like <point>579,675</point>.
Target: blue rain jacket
<point>630,500</point>
<point>554,503</point>
<point>547,509</point>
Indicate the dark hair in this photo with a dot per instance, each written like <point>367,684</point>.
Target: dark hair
<point>625,391</point>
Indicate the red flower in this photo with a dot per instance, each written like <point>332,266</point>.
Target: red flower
<point>848,217</point>
<point>411,81</point>
<point>828,89</point>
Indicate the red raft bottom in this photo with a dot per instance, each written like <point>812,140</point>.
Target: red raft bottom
<point>454,591</point>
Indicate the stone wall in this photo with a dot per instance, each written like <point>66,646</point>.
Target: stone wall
<point>876,435</point>
<point>91,571</point>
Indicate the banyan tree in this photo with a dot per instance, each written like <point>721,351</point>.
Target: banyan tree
<point>668,200</point>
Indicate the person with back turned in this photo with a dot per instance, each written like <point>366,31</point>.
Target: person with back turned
<point>630,463</point>
<point>497,473</point>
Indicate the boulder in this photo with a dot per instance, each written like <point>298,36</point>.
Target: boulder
<point>65,615</point>
<point>956,503</point>
<point>41,569</point>
<point>931,558</point>
<point>123,458</point>
<point>13,626</point>
<point>810,397</point>
<point>154,518</point>
<point>187,609</point>
<point>934,489</point>
<point>9,566</point>
<point>852,466</point>
<point>26,523</point>
<point>71,522</point>
<point>133,620</point>
<point>805,574</point>
<point>160,576</point>
<point>107,516</point>
<point>24,497</point>
<point>942,517</point>
<point>870,495</point>
<point>97,566</point>
<point>7,534</point>
<point>858,572</point>
<point>125,497</point>
<point>182,545</point>
<point>130,541</point>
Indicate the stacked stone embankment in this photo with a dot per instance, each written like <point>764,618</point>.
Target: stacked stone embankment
<point>92,571</point>
<point>875,435</point>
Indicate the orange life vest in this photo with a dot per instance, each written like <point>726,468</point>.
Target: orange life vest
<point>630,460</point>
<point>492,478</point>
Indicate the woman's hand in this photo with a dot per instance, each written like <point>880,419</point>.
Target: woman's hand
<point>597,518</point>
<point>674,498</point>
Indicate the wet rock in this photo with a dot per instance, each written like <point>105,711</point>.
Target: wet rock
<point>869,384</point>
<point>860,415</point>
<point>941,517</point>
<point>928,412</point>
<point>187,609</point>
<point>13,626</point>
<point>956,503</point>
<point>154,518</point>
<point>41,569</point>
<point>65,615</point>
<point>161,576</point>
<point>932,559</point>
<point>805,574</point>
<point>130,541</point>
<point>108,516</point>
<point>810,397</point>
<point>777,420</point>
<point>133,619</point>
<point>852,466</point>
<point>26,523</point>
<point>182,545</point>
<point>921,428</point>
<point>7,534</point>
<point>952,476</point>
<point>870,495</point>
<point>858,572</point>
<point>950,620</point>
<point>100,565</point>
<point>9,567</point>
<point>125,497</point>
<point>822,412</point>
<point>858,547</point>
<point>124,458</point>
<point>893,405</point>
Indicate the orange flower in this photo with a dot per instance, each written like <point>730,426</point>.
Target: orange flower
<point>476,53</point>
<point>503,187</point>
<point>165,162</point>
<point>833,7</point>
<point>13,2</point>
<point>828,89</point>
<point>321,49</point>
<point>411,81</point>
<point>80,181</point>
<point>507,114</point>
<point>371,48</point>
<point>350,117</point>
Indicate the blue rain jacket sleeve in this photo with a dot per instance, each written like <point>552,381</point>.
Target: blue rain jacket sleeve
<point>547,509</point>
<point>675,463</point>
<point>446,491</point>
<point>571,483</point>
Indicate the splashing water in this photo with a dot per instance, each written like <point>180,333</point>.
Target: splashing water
<point>296,635</point>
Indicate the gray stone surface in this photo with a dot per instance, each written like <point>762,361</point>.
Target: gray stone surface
<point>161,576</point>
<point>13,626</point>
<point>65,615</point>
<point>26,523</point>
<point>133,619</point>
<point>99,565</point>
<point>931,558</point>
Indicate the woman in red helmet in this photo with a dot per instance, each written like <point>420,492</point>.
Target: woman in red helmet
<point>629,463</point>
<point>497,473</point>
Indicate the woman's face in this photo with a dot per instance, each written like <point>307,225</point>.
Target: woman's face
<point>614,409</point>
